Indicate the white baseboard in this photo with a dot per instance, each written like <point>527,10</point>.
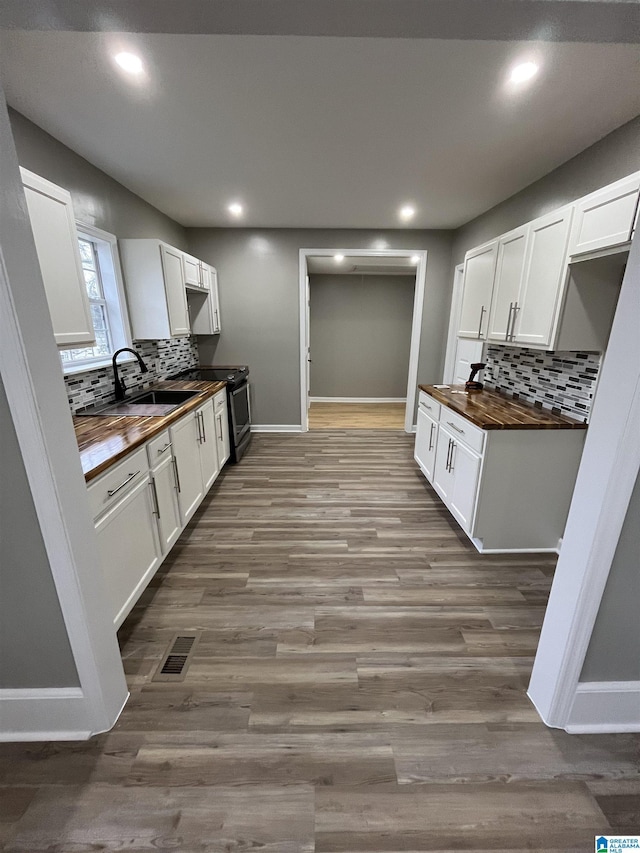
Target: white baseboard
<point>605,706</point>
<point>44,714</point>
<point>357,399</point>
<point>276,428</point>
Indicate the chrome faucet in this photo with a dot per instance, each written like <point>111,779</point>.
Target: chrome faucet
<point>119,385</point>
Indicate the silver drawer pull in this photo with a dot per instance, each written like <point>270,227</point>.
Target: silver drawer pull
<point>166,447</point>
<point>112,492</point>
<point>457,428</point>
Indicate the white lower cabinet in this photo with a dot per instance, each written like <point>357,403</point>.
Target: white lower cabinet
<point>222,426</point>
<point>185,438</point>
<point>509,489</point>
<point>208,446</point>
<point>141,504</point>
<point>426,437</point>
<point>129,547</point>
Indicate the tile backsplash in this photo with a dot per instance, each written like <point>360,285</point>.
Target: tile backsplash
<point>163,358</point>
<point>564,382</point>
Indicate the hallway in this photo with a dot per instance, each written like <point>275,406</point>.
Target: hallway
<point>358,685</point>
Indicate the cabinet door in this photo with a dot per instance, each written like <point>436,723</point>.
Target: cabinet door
<point>545,270</point>
<point>465,468</point>
<point>205,275</point>
<point>208,445</point>
<point>185,438</point>
<point>175,291</point>
<point>201,312</point>
<point>56,238</point>
<point>167,508</point>
<point>605,218</point>
<point>191,270</point>
<point>425,447</point>
<point>442,475</point>
<point>467,353</point>
<point>129,548</point>
<point>479,269</point>
<point>506,287</point>
<point>215,301</point>
<point>222,435</point>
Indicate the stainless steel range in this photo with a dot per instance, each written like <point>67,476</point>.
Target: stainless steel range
<point>238,405</point>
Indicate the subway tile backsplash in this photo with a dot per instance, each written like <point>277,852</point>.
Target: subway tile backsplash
<point>564,382</point>
<point>93,387</point>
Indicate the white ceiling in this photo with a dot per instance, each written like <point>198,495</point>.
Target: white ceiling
<point>319,131</point>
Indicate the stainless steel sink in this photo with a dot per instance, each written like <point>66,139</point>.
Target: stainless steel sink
<point>149,404</point>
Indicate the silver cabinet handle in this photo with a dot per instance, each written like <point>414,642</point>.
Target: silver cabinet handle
<point>219,419</point>
<point>448,455</point>
<point>431,437</point>
<point>154,491</point>
<point>175,471</point>
<point>482,313</point>
<point>516,308</point>
<point>112,492</point>
<point>165,448</point>
<point>199,427</point>
<point>453,447</point>
<point>506,336</point>
<point>457,428</point>
<point>217,325</point>
<point>204,432</point>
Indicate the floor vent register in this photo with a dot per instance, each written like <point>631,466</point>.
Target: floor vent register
<point>175,663</point>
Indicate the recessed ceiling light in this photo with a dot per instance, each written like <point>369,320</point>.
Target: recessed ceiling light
<point>129,62</point>
<point>415,259</point>
<point>523,72</point>
<point>407,212</point>
<point>338,258</point>
<point>235,209</point>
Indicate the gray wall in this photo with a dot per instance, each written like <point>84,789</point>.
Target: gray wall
<point>614,648</point>
<point>35,651</point>
<point>98,200</point>
<point>360,334</point>
<point>613,157</point>
<point>258,278</point>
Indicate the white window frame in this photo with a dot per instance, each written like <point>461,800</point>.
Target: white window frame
<point>114,297</point>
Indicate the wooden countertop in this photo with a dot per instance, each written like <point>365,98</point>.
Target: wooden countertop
<point>489,409</point>
<point>104,440</point>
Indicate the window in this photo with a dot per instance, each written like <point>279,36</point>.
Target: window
<point>101,268</point>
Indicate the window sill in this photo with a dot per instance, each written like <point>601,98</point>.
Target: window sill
<point>71,369</point>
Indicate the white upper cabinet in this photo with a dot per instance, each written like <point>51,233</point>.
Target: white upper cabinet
<point>479,269</point>
<point>191,269</point>
<point>205,275</point>
<point>154,278</point>
<point>544,274</point>
<point>204,309</point>
<point>56,238</point>
<point>215,300</point>
<point>605,218</point>
<point>507,284</point>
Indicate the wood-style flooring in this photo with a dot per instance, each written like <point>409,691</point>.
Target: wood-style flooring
<point>359,685</point>
<point>356,415</point>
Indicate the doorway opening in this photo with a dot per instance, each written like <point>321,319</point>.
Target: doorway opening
<point>360,324</point>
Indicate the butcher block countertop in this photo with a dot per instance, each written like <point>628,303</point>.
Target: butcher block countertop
<point>491,410</point>
<point>104,440</point>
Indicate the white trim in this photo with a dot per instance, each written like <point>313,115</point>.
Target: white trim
<point>605,706</point>
<point>416,324</point>
<point>357,399</point>
<point>276,428</point>
<point>448,374</point>
<point>36,395</point>
<point>606,477</point>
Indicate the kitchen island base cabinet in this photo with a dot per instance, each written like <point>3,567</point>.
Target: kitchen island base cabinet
<point>525,489</point>
<point>129,548</point>
<point>509,489</point>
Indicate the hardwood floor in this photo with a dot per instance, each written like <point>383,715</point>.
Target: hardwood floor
<point>356,416</point>
<point>359,685</point>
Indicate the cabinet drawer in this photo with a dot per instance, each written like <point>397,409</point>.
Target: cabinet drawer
<point>429,405</point>
<point>463,429</point>
<point>220,400</point>
<point>116,482</point>
<point>159,448</point>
